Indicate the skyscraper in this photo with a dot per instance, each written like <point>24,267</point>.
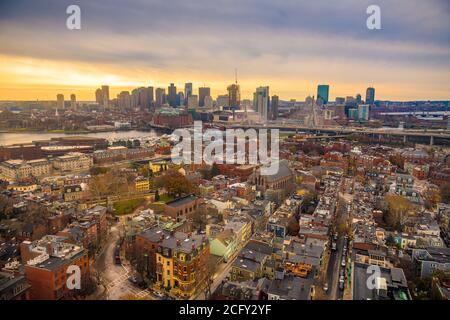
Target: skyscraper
<point>160,97</point>
<point>322,92</point>
<point>261,102</point>
<point>202,93</point>
<point>208,102</point>
<point>105,96</point>
<point>59,101</point>
<point>223,100</point>
<point>274,103</point>
<point>370,96</point>
<point>150,95</point>
<point>172,95</point>
<point>124,100</point>
<point>73,101</point>
<point>145,97</point>
<point>180,99</point>
<point>99,96</point>
<point>363,112</point>
<point>234,96</point>
<point>134,98</point>
<point>187,90</point>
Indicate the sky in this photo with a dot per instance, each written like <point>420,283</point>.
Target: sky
<point>289,45</point>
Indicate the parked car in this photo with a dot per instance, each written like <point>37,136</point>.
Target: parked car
<point>341,284</point>
<point>138,282</point>
<point>133,280</point>
<point>159,294</point>
<point>325,287</point>
<point>343,262</point>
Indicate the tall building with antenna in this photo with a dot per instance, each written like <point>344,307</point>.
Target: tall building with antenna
<point>234,94</point>
<point>370,96</point>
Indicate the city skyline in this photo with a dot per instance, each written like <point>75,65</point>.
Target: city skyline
<point>158,43</point>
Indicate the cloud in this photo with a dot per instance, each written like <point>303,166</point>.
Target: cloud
<point>265,39</point>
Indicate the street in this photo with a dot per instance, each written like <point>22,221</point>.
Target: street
<point>334,263</point>
<point>114,278</point>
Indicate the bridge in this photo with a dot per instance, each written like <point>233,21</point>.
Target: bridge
<point>439,137</point>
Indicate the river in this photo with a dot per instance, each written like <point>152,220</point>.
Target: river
<point>26,137</point>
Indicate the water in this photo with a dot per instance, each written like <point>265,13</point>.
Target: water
<point>27,137</point>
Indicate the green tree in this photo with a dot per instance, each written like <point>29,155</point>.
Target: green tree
<point>390,241</point>
<point>215,170</point>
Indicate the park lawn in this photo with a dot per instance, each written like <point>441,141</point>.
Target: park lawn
<point>127,206</point>
<point>158,206</point>
<point>165,198</point>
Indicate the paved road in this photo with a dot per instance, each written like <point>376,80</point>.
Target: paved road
<point>334,263</point>
<point>115,277</point>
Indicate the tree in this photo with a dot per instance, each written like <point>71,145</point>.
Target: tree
<point>432,197</point>
<point>109,184</point>
<point>397,160</point>
<point>445,193</point>
<point>215,170</point>
<point>206,174</point>
<point>398,209</point>
<point>145,171</point>
<point>390,240</point>
<point>175,183</point>
<point>98,170</point>
<point>6,207</point>
<point>293,227</point>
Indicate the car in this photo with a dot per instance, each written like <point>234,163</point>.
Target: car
<point>333,246</point>
<point>342,272</point>
<point>341,285</point>
<point>133,280</point>
<point>138,282</point>
<point>325,287</point>
<point>158,294</point>
<point>343,262</point>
